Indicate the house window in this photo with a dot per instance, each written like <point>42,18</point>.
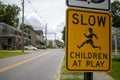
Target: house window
<point>19,39</point>
<point>19,34</point>
<point>12,31</point>
<point>29,37</point>
<point>9,41</point>
<point>15,32</point>
<point>24,35</point>
<point>28,32</point>
<point>25,31</point>
<point>3,31</point>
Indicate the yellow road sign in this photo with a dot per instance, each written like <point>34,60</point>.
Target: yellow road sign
<point>88,40</point>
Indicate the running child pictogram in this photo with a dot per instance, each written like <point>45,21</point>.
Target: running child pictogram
<point>90,40</point>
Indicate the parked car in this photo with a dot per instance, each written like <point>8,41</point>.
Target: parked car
<point>30,47</point>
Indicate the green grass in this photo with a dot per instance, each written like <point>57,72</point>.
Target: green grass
<point>64,71</point>
<point>115,72</point>
<point>10,53</point>
<point>114,50</point>
<point>72,79</point>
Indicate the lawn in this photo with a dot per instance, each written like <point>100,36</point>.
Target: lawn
<point>115,72</point>
<point>10,53</point>
<point>71,79</point>
<point>114,50</point>
<point>64,71</point>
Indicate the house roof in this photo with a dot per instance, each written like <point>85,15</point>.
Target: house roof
<point>6,25</point>
<point>1,27</point>
<point>39,31</point>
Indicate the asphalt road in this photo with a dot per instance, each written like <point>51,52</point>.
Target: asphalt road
<point>38,65</point>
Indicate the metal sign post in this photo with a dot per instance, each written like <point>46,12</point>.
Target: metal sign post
<point>88,75</point>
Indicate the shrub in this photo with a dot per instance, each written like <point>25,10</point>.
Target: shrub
<point>116,58</point>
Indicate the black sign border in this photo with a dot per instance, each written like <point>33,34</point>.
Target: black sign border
<point>67,2</point>
<point>110,39</point>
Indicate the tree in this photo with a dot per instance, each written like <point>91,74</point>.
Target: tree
<point>26,25</point>
<point>115,9</point>
<point>63,34</point>
<point>9,14</point>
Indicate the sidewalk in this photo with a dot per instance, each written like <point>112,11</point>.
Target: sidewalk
<point>96,76</point>
<point>101,76</point>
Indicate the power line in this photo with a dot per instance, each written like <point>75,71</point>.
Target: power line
<point>36,11</point>
<point>38,14</point>
<point>45,23</point>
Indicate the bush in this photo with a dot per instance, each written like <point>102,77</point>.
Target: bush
<point>117,59</point>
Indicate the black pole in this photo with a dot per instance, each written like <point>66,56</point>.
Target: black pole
<point>88,75</point>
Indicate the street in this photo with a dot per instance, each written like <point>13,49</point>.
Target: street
<point>38,65</point>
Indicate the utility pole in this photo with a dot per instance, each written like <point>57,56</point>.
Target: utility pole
<point>22,26</point>
<point>46,35</point>
<point>55,36</point>
<point>55,41</point>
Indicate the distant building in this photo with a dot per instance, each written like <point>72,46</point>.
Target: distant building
<point>36,37</point>
<point>54,44</point>
<point>10,37</point>
<point>59,44</point>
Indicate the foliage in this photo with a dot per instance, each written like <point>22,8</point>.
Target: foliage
<point>116,58</point>
<point>63,34</point>
<point>64,71</point>
<point>115,9</point>
<point>9,14</point>
<point>115,72</point>
<point>72,79</point>
<point>26,25</point>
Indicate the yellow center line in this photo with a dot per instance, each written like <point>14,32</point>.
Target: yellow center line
<point>22,62</point>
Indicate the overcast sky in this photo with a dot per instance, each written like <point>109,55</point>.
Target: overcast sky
<point>52,12</point>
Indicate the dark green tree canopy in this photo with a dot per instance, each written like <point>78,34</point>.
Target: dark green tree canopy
<point>26,25</point>
<point>63,34</point>
<point>115,9</point>
<point>9,14</point>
